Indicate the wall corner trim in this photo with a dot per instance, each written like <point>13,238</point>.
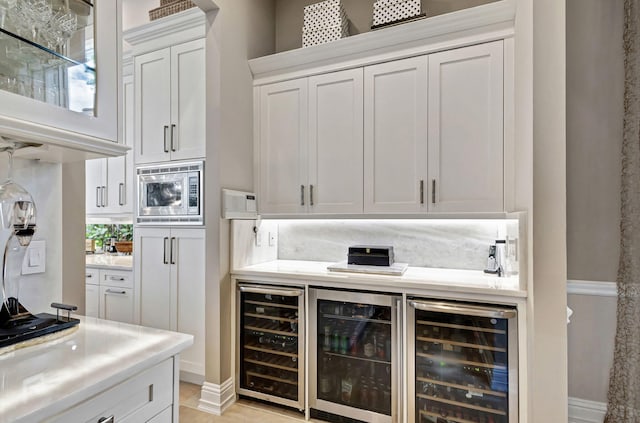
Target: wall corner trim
<point>595,288</point>
<point>585,411</point>
<point>215,399</point>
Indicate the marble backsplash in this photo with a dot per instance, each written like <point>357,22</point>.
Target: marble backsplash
<point>453,244</point>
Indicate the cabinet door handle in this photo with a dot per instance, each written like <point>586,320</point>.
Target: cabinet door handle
<point>311,195</point>
<point>98,197</point>
<point>121,194</point>
<point>111,291</point>
<point>174,142</point>
<point>88,275</point>
<point>164,253</point>
<point>433,191</point>
<point>421,191</point>
<point>104,196</point>
<point>302,195</point>
<point>166,149</point>
<point>110,419</point>
<point>173,247</point>
<point>115,278</point>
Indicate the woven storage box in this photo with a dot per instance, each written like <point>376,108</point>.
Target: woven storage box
<point>395,11</point>
<point>324,35</point>
<point>170,8</point>
<point>166,2</point>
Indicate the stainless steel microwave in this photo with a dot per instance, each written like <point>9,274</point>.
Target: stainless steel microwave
<point>171,193</point>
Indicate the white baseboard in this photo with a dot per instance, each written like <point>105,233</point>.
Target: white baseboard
<point>215,399</point>
<point>585,411</point>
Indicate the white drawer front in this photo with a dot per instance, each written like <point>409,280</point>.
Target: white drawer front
<point>92,276</point>
<point>138,399</point>
<point>121,278</point>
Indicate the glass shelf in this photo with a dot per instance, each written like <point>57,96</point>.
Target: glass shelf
<point>47,52</point>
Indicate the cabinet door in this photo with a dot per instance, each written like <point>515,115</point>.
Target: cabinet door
<point>187,270</point>
<point>157,293</point>
<point>152,106</point>
<point>116,303</point>
<point>336,142</point>
<point>96,195</point>
<point>92,300</point>
<point>116,182</point>
<point>395,136</point>
<point>188,101</point>
<point>466,129</point>
<point>282,159</point>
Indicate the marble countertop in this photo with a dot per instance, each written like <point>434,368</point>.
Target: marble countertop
<point>414,279</point>
<point>108,261</point>
<point>43,380</point>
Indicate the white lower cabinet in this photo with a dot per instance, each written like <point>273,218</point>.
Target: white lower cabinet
<point>145,397</point>
<point>109,294</point>
<point>169,275</point>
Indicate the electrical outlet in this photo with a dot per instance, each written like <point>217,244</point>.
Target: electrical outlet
<point>272,239</point>
<point>34,258</point>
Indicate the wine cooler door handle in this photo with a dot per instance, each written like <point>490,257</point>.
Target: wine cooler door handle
<point>463,309</point>
<point>267,291</point>
<point>400,356</point>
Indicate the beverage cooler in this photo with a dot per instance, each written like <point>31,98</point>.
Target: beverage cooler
<point>354,357</point>
<point>271,344</point>
<point>464,361</point>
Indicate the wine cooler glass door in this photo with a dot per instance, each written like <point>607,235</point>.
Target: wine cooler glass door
<point>355,352</point>
<point>464,363</point>
<point>271,339</point>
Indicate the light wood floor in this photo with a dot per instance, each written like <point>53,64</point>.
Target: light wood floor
<point>243,411</point>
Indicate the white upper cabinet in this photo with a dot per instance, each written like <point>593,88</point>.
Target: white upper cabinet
<point>170,87</point>
<point>282,121</point>
<point>410,135</point>
<point>335,142</point>
<point>66,94</point>
<point>170,103</point>
<point>310,144</point>
<point>466,129</point>
<point>109,181</point>
<point>395,124</point>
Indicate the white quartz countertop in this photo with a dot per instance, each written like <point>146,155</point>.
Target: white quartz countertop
<point>414,279</point>
<point>108,261</point>
<point>45,379</point>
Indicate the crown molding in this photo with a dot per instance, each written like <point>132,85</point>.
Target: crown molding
<point>165,32</point>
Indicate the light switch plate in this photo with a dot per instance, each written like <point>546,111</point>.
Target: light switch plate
<point>35,258</point>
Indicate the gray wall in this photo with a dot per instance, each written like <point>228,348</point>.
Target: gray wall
<point>595,89</point>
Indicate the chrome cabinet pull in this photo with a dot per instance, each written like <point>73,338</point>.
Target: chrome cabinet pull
<point>421,191</point>
<point>164,259</point>
<point>98,197</point>
<point>470,310</point>
<point>110,419</point>
<point>115,278</point>
<point>111,291</point>
<point>166,149</point>
<point>433,191</point>
<point>173,244</point>
<point>311,195</point>
<point>174,143</point>
<point>104,196</point>
<point>270,291</point>
<point>120,194</point>
<point>302,195</point>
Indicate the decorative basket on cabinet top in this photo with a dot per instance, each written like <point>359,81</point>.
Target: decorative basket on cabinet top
<point>169,7</point>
